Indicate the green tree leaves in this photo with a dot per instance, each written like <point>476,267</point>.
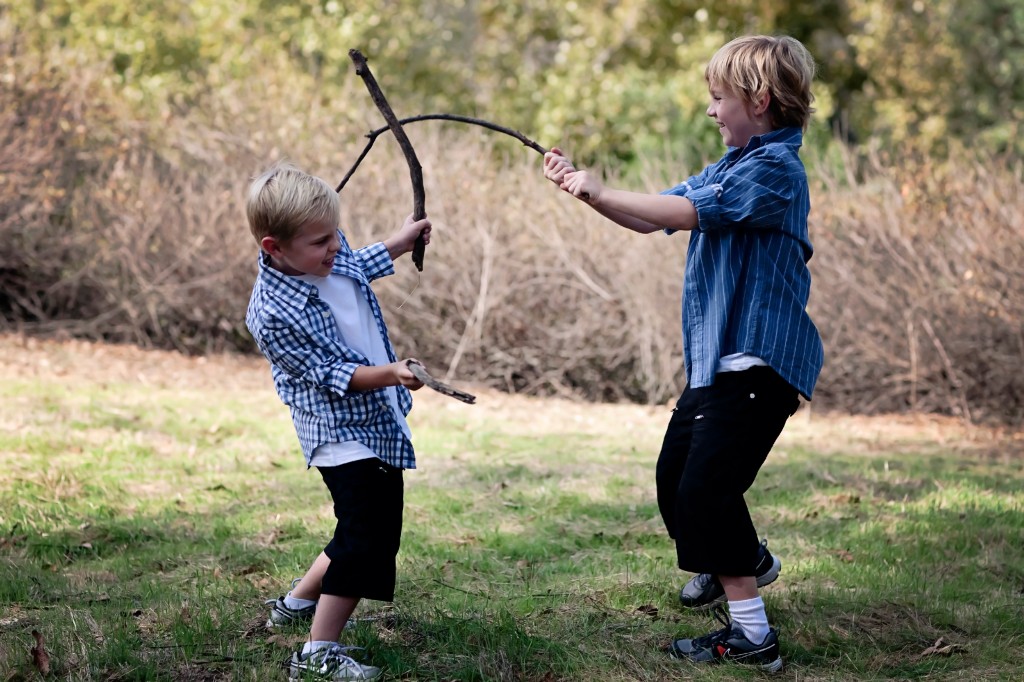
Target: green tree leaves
<point>616,77</point>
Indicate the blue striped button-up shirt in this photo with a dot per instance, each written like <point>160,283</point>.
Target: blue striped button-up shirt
<point>746,284</point>
<point>312,366</point>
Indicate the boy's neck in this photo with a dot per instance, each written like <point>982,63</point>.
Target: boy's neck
<point>274,264</point>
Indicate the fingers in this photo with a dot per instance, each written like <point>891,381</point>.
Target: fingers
<point>405,376</point>
<point>582,186</point>
<point>556,165</point>
<point>417,228</point>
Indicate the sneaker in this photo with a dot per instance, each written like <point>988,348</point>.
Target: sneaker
<point>281,615</point>
<point>704,590</point>
<point>331,663</point>
<point>730,645</point>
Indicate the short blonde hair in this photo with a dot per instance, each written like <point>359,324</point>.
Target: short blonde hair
<point>283,199</point>
<point>779,66</point>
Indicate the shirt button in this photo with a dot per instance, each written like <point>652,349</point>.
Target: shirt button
<point>751,396</point>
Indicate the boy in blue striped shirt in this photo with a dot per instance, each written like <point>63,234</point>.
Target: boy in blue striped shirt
<point>313,315</point>
<point>750,348</point>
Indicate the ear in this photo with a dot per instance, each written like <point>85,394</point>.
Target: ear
<point>271,245</point>
<point>761,105</point>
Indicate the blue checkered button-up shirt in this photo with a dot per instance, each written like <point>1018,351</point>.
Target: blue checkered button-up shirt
<point>311,365</point>
<point>746,283</point>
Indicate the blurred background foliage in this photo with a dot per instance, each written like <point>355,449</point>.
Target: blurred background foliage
<point>129,131</point>
<point>618,77</point>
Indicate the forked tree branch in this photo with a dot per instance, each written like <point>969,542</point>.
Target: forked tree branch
<point>419,210</point>
<point>374,134</point>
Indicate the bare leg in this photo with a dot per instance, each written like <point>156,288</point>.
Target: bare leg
<point>331,615</point>
<point>309,586</point>
<point>738,588</point>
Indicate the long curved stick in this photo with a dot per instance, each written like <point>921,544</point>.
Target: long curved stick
<point>419,210</point>
<point>374,134</point>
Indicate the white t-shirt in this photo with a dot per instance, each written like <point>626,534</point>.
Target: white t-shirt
<point>737,362</point>
<point>359,331</point>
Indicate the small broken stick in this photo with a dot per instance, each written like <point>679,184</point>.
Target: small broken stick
<point>420,372</point>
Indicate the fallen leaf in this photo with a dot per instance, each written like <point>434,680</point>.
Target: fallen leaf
<point>844,555</point>
<point>40,658</point>
<point>648,610</point>
<point>940,648</point>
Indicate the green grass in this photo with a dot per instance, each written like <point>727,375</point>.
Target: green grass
<point>142,526</point>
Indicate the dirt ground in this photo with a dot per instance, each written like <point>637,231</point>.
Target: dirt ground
<point>79,363</point>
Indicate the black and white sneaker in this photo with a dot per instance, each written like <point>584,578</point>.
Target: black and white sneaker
<point>730,645</point>
<point>705,590</point>
<point>281,615</point>
<point>331,663</point>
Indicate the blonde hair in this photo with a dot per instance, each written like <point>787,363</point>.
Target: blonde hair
<point>283,199</point>
<point>778,66</point>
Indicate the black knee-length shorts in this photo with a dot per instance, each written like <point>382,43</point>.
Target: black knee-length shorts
<point>368,499</point>
<point>716,441</point>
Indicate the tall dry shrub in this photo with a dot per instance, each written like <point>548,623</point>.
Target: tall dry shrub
<point>43,127</point>
<point>134,231</point>
<point>919,288</point>
<point>523,288</point>
<point>106,237</point>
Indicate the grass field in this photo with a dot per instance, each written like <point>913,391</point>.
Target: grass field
<point>150,503</point>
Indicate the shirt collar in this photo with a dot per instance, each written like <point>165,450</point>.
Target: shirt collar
<point>296,291</point>
<point>292,289</point>
<point>791,135</point>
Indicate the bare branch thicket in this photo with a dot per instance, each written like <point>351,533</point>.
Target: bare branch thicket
<point>126,233</point>
<point>914,284</point>
<point>42,135</point>
<point>525,292</point>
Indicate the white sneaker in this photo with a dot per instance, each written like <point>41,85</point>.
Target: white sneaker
<point>330,663</point>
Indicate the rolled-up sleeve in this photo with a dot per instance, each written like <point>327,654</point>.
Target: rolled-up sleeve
<point>684,188</point>
<point>375,261</point>
<point>307,360</point>
<point>755,193</point>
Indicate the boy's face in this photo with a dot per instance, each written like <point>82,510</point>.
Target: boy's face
<point>737,120</point>
<point>311,252</point>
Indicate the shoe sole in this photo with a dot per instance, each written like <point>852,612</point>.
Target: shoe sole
<point>304,674</point>
<point>770,576</point>
<point>770,668</point>
<point>351,623</point>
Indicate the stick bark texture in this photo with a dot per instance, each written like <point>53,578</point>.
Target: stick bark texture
<point>374,134</point>
<point>419,210</point>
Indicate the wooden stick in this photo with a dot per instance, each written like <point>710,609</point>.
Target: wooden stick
<point>420,372</point>
<point>373,134</point>
<point>419,210</point>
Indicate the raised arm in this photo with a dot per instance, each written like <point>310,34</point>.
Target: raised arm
<point>643,213</point>
<point>640,212</point>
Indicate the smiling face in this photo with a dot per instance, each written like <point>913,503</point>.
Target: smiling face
<point>310,252</point>
<point>737,119</point>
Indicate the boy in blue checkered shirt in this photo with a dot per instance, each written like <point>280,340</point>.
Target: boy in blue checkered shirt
<point>315,318</point>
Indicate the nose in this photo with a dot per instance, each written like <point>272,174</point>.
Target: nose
<point>710,110</point>
<point>335,244</point>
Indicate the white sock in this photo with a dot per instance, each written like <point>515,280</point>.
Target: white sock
<point>750,616</point>
<point>296,603</point>
<point>310,647</point>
